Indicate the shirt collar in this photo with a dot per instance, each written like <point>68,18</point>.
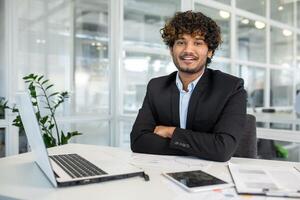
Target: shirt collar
<point>191,85</point>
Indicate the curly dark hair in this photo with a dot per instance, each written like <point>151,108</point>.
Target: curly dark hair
<point>194,23</point>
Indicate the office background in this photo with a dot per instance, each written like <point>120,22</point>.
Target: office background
<point>105,51</point>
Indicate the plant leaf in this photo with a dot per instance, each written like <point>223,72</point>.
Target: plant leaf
<point>49,87</point>
<point>40,78</point>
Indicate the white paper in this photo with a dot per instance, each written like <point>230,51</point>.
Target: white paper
<point>167,161</point>
<point>257,179</point>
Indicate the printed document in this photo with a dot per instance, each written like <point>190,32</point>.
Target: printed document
<point>272,181</point>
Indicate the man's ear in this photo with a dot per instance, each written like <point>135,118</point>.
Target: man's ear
<point>210,53</point>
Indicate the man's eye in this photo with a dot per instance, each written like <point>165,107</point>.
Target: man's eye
<point>199,43</point>
<point>179,42</point>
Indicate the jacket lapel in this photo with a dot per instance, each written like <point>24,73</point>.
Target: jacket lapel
<point>196,98</point>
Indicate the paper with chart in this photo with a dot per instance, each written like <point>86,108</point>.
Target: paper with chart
<point>251,179</point>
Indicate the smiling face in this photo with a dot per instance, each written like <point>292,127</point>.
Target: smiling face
<point>190,54</point>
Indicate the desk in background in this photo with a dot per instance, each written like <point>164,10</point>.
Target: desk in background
<point>20,177</point>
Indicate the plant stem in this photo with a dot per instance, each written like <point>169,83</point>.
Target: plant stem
<point>52,113</point>
<point>39,111</point>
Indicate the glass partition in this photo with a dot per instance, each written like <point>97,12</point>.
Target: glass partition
<point>281,47</point>
<point>138,68</point>
<point>298,51</point>
<point>222,66</point>
<point>298,14</point>
<point>282,11</point>
<point>281,87</point>
<point>251,40</point>
<point>125,129</point>
<point>143,20</point>
<point>91,74</point>
<point>145,56</point>
<point>222,18</point>
<point>2,57</point>
<point>258,7</point>
<point>2,142</point>
<point>255,84</point>
<point>93,132</point>
<point>224,1</point>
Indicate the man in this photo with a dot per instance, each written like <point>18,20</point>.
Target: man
<point>195,111</point>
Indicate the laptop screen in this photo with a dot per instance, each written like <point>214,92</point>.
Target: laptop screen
<point>34,135</point>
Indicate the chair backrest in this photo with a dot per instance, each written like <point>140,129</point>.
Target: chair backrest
<point>247,147</point>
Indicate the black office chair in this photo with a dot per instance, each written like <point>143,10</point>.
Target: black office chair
<point>247,147</point>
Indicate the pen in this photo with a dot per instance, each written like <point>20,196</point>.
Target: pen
<point>281,193</point>
<point>146,176</point>
<point>297,168</point>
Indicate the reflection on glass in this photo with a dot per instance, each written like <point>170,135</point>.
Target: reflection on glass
<point>292,148</point>
<point>298,13</point>
<point>281,88</point>
<point>254,83</point>
<point>251,40</point>
<point>224,67</point>
<point>281,47</point>
<point>138,68</point>
<point>125,129</point>
<point>2,142</point>
<point>2,56</point>
<point>297,93</point>
<point>282,11</point>
<point>144,19</point>
<point>222,18</point>
<point>91,53</point>
<point>57,43</point>
<point>23,143</point>
<point>224,1</point>
<point>257,7</point>
<point>2,111</point>
<point>298,50</point>
<point>96,133</point>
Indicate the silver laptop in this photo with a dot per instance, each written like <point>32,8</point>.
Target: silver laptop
<point>70,168</point>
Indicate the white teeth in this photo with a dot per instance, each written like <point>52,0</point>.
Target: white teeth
<point>188,58</point>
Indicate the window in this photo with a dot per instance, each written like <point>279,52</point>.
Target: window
<point>93,132</point>
<point>224,1</point>
<point>282,11</point>
<point>2,142</point>
<point>257,7</point>
<point>222,66</point>
<point>2,57</point>
<point>254,83</point>
<point>222,18</point>
<point>251,40</point>
<point>91,71</point>
<point>281,46</point>
<point>145,56</point>
<point>298,13</point>
<point>281,87</point>
<point>138,68</point>
<point>298,51</point>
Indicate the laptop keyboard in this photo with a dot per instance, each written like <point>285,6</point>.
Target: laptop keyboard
<point>76,166</point>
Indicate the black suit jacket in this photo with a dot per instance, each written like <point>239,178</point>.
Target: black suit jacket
<point>215,120</point>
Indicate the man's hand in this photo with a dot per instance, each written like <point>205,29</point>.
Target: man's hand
<point>164,131</point>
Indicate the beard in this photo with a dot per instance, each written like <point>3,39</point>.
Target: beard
<point>200,66</point>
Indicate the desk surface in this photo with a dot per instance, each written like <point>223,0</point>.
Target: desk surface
<point>20,178</point>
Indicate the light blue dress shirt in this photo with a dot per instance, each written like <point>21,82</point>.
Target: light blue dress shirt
<point>184,99</point>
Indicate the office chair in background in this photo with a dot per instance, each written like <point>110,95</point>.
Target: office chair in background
<point>247,147</point>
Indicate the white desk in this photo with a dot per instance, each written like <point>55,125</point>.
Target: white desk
<point>20,178</point>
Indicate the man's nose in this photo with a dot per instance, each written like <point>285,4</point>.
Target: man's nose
<point>189,47</point>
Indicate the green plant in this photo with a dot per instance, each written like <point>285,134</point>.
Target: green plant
<point>42,98</point>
